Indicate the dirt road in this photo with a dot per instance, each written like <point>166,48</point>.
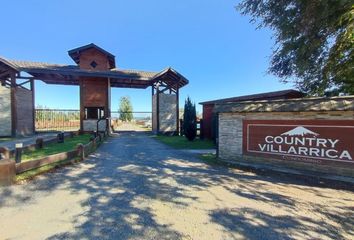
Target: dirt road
<point>137,188</point>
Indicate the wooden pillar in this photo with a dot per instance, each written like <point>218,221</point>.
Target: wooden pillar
<point>13,105</point>
<point>152,106</point>
<point>82,110</point>
<point>158,108</point>
<point>108,115</point>
<point>177,109</point>
<point>33,105</point>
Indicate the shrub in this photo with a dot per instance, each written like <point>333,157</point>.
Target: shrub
<point>189,120</point>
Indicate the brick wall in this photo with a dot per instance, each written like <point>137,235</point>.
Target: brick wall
<point>90,55</point>
<point>231,133</point>
<point>95,92</point>
<point>24,112</point>
<point>5,111</point>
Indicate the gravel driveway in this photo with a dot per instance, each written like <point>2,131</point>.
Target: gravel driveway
<point>136,188</point>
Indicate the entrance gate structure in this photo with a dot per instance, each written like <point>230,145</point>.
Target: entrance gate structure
<point>95,73</point>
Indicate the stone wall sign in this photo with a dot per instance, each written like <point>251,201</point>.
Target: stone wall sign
<point>314,141</point>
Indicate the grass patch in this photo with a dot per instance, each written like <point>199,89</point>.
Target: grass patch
<point>54,148</point>
<point>181,142</point>
<point>209,158</point>
<point>5,139</point>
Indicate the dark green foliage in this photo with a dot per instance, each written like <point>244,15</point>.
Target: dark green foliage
<point>125,109</point>
<point>314,42</point>
<point>189,120</point>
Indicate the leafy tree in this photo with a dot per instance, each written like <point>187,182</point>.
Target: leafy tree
<point>125,109</point>
<point>314,42</point>
<point>189,120</point>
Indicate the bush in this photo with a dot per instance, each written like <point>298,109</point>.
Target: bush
<point>189,120</point>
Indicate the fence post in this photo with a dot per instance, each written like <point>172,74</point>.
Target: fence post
<point>4,153</point>
<point>7,172</point>
<point>39,143</point>
<point>60,137</point>
<point>18,152</point>
<point>81,151</point>
<point>94,144</point>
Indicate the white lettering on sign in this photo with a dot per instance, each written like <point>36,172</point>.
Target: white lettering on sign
<point>304,142</point>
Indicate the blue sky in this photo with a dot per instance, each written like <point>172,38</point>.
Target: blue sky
<point>209,42</point>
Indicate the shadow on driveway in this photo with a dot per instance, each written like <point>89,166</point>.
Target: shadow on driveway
<point>136,188</point>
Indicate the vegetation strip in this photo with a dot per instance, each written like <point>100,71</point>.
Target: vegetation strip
<point>33,168</point>
<point>54,148</point>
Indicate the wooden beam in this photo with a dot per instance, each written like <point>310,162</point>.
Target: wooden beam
<point>5,73</point>
<point>21,84</point>
<point>164,90</point>
<point>3,82</point>
<point>22,77</point>
<point>129,86</point>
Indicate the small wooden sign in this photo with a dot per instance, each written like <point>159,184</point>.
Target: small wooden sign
<point>300,140</point>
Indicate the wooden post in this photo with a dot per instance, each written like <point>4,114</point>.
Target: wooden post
<point>33,105</point>
<point>94,144</point>
<point>158,108</point>
<point>82,110</point>
<point>177,109</point>
<point>60,137</point>
<point>108,114</point>
<point>13,105</point>
<point>18,152</point>
<point>7,172</point>
<point>152,105</point>
<point>39,143</point>
<point>81,151</point>
<point>4,153</point>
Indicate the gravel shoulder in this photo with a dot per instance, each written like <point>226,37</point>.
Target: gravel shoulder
<point>134,187</point>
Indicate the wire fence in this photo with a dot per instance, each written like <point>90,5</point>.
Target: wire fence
<point>48,120</point>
